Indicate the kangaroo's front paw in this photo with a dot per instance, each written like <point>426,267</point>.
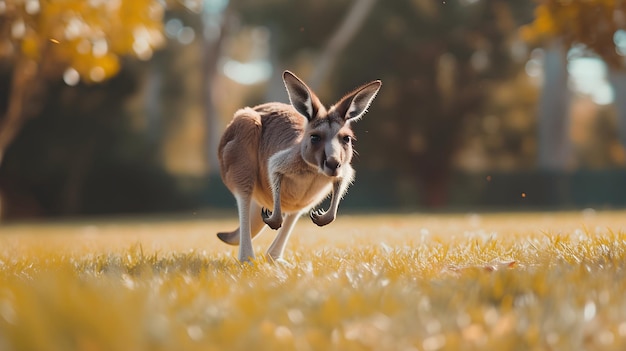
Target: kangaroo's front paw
<point>272,219</point>
<point>321,217</point>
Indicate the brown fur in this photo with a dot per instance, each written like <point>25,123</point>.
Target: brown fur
<point>288,158</point>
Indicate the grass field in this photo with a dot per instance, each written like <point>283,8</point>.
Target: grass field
<point>552,281</point>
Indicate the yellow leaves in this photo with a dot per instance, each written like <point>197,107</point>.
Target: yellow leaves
<point>87,36</point>
<point>550,20</point>
<point>589,22</point>
<point>30,47</point>
<point>544,22</point>
<point>97,69</point>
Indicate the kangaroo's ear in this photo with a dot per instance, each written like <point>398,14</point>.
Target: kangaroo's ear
<point>354,105</point>
<point>300,96</point>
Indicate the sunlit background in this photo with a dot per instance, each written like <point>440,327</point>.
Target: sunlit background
<point>115,106</point>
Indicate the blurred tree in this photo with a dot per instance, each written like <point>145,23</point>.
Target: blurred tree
<point>437,60</point>
<point>504,137</point>
<point>595,23</point>
<point>596,26</point>
<point>554,146</point>
<point>75,39</point>
<point>215,24</point>
<point>299,40</point>
<point>618,81</point>
<point>345,33</point>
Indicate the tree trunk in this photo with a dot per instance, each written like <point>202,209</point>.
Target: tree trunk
<point>339,41</point>
<point>617,78</point>
<point>553,113</point>
<point>212,52</point>
<point>77,172</point>
<point>24,74</point>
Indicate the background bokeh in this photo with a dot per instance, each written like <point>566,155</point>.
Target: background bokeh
<point>116,107</point>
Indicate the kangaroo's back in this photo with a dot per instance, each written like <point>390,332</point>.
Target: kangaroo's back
<point>281,128</point>
<point>251,138</point>
<point>237,151</point>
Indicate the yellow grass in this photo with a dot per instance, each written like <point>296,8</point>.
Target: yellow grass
<point>552,281</point>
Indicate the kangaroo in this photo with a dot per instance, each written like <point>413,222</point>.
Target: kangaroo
<point>289,158</point>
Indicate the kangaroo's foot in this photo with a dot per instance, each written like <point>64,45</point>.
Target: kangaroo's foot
<point>321,217</point>
<point>273,220</point>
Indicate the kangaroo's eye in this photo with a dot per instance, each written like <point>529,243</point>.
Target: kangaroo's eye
<point>315,138</point>
<point>347,139</point>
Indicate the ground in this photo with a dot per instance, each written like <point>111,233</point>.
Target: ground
<point>545,281</point>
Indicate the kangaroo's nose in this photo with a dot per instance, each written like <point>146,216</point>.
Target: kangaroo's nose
<point>333,163</point>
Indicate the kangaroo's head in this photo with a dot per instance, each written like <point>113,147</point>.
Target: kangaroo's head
<point>327,140</point>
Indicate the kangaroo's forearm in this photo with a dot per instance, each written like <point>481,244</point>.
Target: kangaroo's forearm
<point>321,217</point>
<point>275,219</point>
<point>336,197</point>
<point>277,179</point>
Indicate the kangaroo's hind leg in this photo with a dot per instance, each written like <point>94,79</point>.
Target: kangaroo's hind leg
<point>276,250</point>
<point>256,226</point>
<point>246,253</point>
<point>239,166</point>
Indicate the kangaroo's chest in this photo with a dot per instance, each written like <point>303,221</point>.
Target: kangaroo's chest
<point>304,190</point>
<point>298,191</point>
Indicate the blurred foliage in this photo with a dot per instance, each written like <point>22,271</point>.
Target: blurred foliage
<point>296,26</point>
<point>594,135</point>
<point>86,37</point>
<point>438,63</point>
<point>503,137</point>
<point>84,152</point>
<point>84,156</point>
<point>455,93</point>
<point>593,23</point>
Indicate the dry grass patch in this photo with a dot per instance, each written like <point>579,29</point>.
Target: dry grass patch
<point>384,282</point>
